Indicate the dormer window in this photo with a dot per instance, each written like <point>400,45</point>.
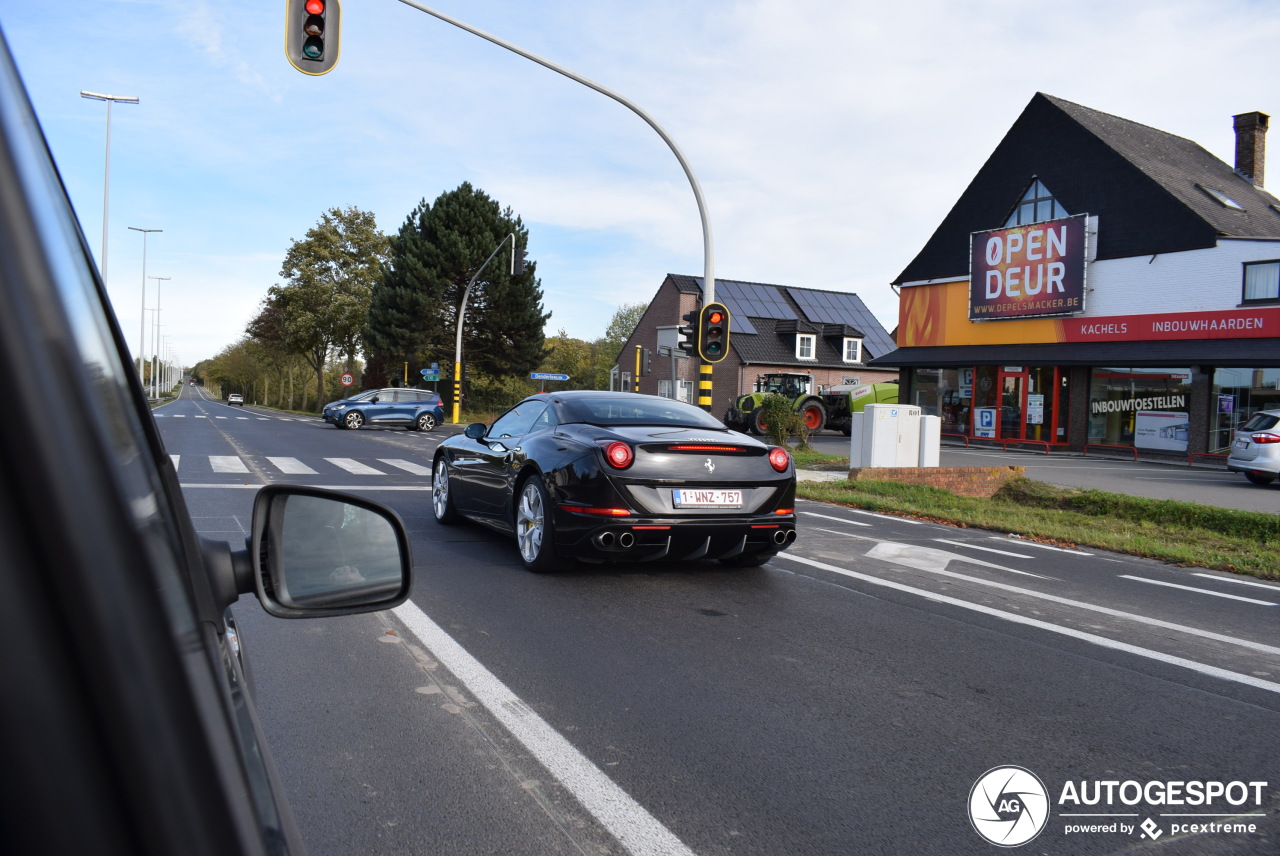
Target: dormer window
<point>1036,206</point>
<point>805,346</point>
<point>852,350</point>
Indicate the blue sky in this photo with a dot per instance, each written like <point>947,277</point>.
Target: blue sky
<point>830,138</point>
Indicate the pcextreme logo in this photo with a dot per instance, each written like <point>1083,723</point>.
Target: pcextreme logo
<point>1009,806</point>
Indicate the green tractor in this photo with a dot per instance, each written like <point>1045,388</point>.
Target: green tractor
<point>745,414</point>
<point>843,401</point>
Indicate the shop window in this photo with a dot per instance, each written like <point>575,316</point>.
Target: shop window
<point>804,347</point>
<point>1261,282</point>
<point>1036,206</point>
<point>1142,407</point>
<point>1238,393</point>
<point>853,350</point>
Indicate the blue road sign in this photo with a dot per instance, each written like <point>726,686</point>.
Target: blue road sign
<point>547,376</point>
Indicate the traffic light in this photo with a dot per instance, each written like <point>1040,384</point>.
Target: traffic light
<point>646,362</point>
<point>688,333</point>
<point>713,333</point>
<point>517,261</point>
<point>311,34</point>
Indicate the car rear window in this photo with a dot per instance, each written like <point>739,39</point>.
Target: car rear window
<point>636,411</point>
<point>1261,422</point>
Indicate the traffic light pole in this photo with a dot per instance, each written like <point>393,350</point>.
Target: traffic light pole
<point>708,273</point>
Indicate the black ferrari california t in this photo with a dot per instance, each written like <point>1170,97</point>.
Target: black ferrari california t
<point>616,476</point>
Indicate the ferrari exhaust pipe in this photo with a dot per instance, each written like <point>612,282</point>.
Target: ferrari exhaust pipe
<point>625,540</point>
<point>780,537</point>
<point>605,540</point>
<point>791,536</point>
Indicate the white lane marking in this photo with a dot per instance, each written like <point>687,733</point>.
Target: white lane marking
<point>885,516</point>
<point>1039,546</point>
<point>348,487</point>
<point>636,830</point>
<point>1268,586</point>
<point>1213,671</point>
<point>407,466</point>
<point>837,519</point>
<point>983,549</point>
<point>351,465</point>
<point>179,416</point>
<point>925,559</point>
<point>175,459</point>
<point>227,464</point>
<point>1078,604</point>
<point>291,466</point>
<point>1197,590</point>
<point>219,417</point>
<point>929,559</point>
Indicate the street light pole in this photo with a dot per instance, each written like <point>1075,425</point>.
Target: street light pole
<point>106,181</point>
<point>708,272</point>
<point>142,325</point>
<point>462,314</point>
<point>155,382</point>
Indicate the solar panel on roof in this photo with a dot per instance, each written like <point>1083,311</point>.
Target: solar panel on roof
<point>834,307</point>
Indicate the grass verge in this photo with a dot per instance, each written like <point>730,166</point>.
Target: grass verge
<point>1183,533</point>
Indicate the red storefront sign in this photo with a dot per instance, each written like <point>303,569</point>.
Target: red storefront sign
<point>1260,323</point>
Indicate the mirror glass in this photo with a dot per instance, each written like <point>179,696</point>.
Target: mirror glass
<point>334,553</point>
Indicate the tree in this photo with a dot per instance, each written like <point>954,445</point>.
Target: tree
<point>330,276</point>
<point>414,309</point>
<point>621,326</point>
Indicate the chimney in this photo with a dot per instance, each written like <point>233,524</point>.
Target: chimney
<point>1251,145</point>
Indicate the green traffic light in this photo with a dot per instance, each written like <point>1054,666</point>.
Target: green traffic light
<point>313,48</point>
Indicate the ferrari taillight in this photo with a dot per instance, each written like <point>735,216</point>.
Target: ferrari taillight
<point>779,459</point>
<point>619,455</point>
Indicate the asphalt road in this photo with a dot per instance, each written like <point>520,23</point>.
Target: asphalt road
<point>843,699</point>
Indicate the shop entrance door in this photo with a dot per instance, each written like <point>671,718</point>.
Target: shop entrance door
<point>1013,402</point>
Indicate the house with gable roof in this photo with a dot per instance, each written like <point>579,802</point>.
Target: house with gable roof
<point>1100,286</point>
<point>828,335</point>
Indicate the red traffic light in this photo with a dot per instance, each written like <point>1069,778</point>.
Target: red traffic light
<point>311,34</point>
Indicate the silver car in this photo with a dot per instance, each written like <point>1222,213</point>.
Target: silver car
<point>1256,449</point>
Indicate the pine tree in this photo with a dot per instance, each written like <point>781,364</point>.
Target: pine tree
<point>439,249</point>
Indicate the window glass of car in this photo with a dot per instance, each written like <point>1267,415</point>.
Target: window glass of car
<point>1261,422</point>
<point>104,382</point>
<point>635,411</point>
<point>517,421</point>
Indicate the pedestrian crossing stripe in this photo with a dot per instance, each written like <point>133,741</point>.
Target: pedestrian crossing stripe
<point>293,466</point>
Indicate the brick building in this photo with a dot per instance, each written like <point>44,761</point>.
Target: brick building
<point>1100,283</point>
<point>828,334</point>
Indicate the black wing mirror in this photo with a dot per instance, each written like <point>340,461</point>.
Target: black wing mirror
<point>319,552</point>
<point>475,430</point>
<point>314,552</point>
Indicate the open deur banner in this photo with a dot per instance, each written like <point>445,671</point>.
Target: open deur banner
<point>1028,271</point>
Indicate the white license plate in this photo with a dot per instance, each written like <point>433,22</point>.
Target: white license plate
<point>687,498</point>
<point>1242,444</point>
